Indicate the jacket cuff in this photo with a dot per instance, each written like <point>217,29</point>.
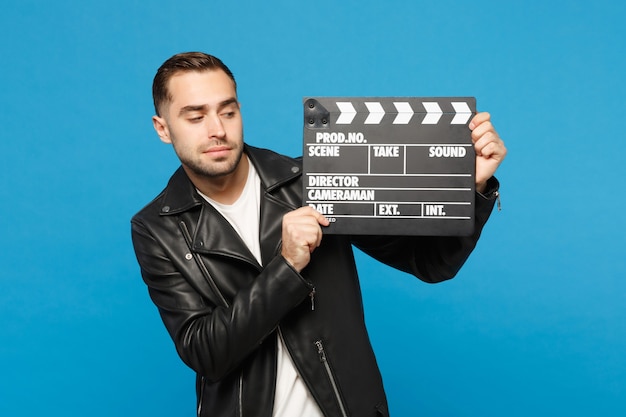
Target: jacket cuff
<point>486,200</point>
<point>491,190</point>
<point>292,281</point>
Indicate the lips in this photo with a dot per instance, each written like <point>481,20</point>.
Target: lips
<point>217,151</point>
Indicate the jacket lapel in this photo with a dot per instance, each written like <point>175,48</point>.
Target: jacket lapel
<point>270,232</point>
<point>277,199</point>
<point>212,234</point>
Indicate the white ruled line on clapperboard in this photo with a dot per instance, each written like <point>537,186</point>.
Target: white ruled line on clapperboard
<point>390,165</point>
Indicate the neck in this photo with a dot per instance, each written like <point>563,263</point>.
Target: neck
<point>224,189</point>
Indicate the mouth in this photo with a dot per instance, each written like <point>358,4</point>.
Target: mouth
<point>217,151</point>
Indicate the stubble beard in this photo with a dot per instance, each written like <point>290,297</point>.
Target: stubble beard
<point>214,169</point>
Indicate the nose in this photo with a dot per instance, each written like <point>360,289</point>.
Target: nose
<point>216,127</point>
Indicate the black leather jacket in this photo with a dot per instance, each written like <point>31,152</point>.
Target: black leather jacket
<point>223,309</point>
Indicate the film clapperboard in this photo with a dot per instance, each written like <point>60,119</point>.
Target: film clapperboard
<point>390,165</point>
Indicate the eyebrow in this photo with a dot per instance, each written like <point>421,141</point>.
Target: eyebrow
<point>203,107</point>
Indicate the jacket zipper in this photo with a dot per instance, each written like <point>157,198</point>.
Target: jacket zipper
<point>241,394</point>
<point>205,272</point>
<point>497,194</point>
<point>199,410</point>
<point>322,354</point>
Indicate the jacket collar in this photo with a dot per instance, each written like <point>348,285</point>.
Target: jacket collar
<point>180,194</point>
<point>210,231</point>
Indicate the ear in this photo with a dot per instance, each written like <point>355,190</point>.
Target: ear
<point>160,125</point>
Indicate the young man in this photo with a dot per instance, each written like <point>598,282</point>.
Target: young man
<point>263,307</point>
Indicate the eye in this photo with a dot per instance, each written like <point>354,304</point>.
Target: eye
<point>229,111</point>
<point>195,119</point>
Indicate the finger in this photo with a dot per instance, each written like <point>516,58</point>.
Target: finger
<point>320,234</point>
<point>484,140</point>
<point>478,119</point>
<point>302,227</point>
<point>310,211</point>
<point>482,130</point>
<point>489,150</point>
<point>495,150</point>
<point>321,219</point>
<point>313,234</point>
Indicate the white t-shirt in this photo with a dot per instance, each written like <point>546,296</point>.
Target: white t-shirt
<point>292,396</point>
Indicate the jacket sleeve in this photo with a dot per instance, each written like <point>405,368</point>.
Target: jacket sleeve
<point>213,337</point>
<point>431,258</point>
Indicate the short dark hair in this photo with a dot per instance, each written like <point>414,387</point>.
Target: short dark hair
<point>183,62</point>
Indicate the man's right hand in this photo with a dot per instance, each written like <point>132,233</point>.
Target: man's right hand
<point>302,233</point>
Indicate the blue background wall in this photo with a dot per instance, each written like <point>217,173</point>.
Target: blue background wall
<point>535,323</point>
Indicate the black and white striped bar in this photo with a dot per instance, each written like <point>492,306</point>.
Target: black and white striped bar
<point>390,165</point>
<point>404,112</point>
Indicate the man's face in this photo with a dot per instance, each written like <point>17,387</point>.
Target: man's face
<point>203,123</point>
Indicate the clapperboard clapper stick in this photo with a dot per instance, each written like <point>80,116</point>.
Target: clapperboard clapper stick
<point>390,165</point>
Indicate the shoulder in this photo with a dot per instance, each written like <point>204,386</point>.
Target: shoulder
<point>179,195</point>
<point>149,214</point>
